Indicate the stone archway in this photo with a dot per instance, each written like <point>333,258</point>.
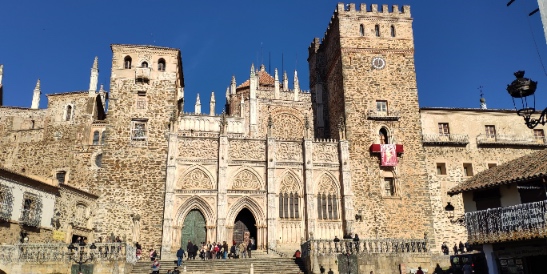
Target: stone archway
<point>245,227</point>
<point>194,228</point>
<point>249,210</point>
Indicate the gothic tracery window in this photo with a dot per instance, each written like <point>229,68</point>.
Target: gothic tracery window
<point>289,198</point>
<point>327,199</point>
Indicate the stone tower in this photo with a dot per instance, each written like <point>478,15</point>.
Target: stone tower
<point>146,83</point>
<point>363,85</point>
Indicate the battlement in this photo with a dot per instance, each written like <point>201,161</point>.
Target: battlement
<point>350,9</point>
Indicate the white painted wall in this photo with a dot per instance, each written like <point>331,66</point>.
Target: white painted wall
<point>510,195</point>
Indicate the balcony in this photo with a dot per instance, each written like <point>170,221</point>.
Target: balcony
<point>391,115</point>
<point>445,139</point>
<point>523,221</point>
<point>510,140</point>
<point>142,74</point>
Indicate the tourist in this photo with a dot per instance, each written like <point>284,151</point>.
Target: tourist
<point>139,250</point>
<point>356,242</point>
<point>195,250</point>
<point>152,254</point>
<point>249,248</point>
<point>189,249</point>
<point>242,250</point>
<point>419,270</point>
<point>225,250</point>
<point>175,271</point>
<point>444,248</point>
<point>438,270</point>
<point>461,247</point>
<point>233,251</point>
<point>336,243</point>
<point>455,248</point>
<point>297,256</point>
<point>156,267</point>
<point>180,256</point>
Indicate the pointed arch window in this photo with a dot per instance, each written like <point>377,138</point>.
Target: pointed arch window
<point>384,136</point>
<point>96,137</point>
<point>377,30</point>
<point>327,200</point>
<point>68,114</point>
<point>144,64</point>
<point>392,31</point>
<point>127,62</point>
<point>103,137</point>
<point>361,30</point>
<point>161,64</point>
<point>289,198</point>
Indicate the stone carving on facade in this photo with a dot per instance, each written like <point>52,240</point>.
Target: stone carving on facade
<point>288,126</point>
<point>325,153</point>
<point>198,148</point>
<point>246,180</point>
<point>196,179</point>
<point>247,150</point>
<point>136,228</point>
<point>289,184</point>
<point>327,185</point>
<point>289,151</point>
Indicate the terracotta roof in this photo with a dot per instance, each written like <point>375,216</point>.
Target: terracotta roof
<point>264,79</point>
<point>26,179</point>
<point>522,169</point>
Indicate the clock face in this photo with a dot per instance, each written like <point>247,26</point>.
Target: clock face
<point>378,63</point>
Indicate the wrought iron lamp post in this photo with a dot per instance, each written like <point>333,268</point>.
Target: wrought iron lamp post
<point>524,89</point>
<point>81,259</point>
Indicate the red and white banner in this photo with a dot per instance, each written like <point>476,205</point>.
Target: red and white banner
<point>388,154</point>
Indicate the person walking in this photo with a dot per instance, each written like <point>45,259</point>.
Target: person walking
<point>156,267</point>
<point>242,250</point>
<point>180,256</point>
<point>249,249</point>
<point>225,248</point>
<point>189,248</point>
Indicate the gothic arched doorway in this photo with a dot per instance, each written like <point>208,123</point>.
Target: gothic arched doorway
<point>245,227</point>
<point>193,228</point>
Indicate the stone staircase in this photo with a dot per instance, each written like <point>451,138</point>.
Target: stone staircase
<point>261,261</point>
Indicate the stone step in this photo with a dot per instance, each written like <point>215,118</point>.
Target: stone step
<point>231,266</point>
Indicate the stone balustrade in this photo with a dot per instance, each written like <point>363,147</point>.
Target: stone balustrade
<point>445,139</point>
<point>514,140</point>
<point>366,246</point>
<point>523,221</point>
<point>59,252</point>
<point>390,115</point>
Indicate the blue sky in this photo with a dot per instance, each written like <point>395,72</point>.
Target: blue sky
<point>459,45</point>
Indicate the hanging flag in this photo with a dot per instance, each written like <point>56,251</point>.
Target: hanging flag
<point>388,154</point>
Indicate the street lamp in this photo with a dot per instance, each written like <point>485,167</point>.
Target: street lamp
<point>81,260</point>
<point>524,89</point>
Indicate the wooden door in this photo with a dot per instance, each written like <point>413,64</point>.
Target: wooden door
<point>194,229</point>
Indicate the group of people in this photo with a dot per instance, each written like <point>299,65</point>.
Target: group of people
<point>218,250</point>
<point>461,248</point>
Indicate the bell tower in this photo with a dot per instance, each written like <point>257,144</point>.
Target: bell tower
<point>363,85</point>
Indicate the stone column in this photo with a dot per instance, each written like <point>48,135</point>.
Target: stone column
<point>347,193</point>
<point>272,187</point>
<point>169,197</point>
<point>230,236</point>
<point>309,199</point>
<point>222,186</point>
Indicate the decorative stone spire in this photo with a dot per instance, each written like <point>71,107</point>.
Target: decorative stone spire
<point>94,78</point>
<point>296,86</point>
<point>233,85</point>
<point>482,100</point>
<point>197,108</point>
<point>252,69</point>
<point>1,73</point>
<point>285,81</point>
<point>241,106</point>
<point>36,96</point>
<point>102,93</point>
<point>276,85</point>
<point>212,104</point>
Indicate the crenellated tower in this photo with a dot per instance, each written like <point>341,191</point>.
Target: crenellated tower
<point>363,85</point>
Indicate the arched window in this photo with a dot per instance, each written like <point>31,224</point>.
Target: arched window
<point>392,31</point>
<point>96,137</point>
<point>127,62</point>
<point>384,137</point>
<point>103,137</point>
<point>377,30</point>
<point>289,198</point>
<point>362,30</point>
<point>68,115</point>
<point>327,200</point>
<point>99,160</point>
<point>144,64</point>
<point>32,123</point>
<point>161,64</point>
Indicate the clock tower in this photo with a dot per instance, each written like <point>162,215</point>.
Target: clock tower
<point>363,85</point>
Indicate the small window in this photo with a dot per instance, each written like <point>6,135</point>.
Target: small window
<point>61,176</point>
<point>68,114</point>
<point>138,131</point>
<point>141,102</point>
<point>384,137</point>
<point>491,165</point>
<point>362,30</point>
<point>161,64</point>
<point>377,30</point>
<point>127,62</point>
<point>103,137</point>
<point>99,160</point>
<point>381,106</point>
<point>467,169</point>
<point>441,169</point>
<point>392,31</point>
<point>443,129</point>
<point>539,135</point>
<point>490,131</point>
<point>389,186</point>
<point>32,124</point>
<point>96,137</point>
<point>144,64</point>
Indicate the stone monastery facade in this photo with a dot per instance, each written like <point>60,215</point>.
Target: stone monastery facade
<point>354,154</point>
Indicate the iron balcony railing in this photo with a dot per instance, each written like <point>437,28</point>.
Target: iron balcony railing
<point>515,140</point>
<point>445,139</point>
<point>523,221</point>
<point>390,115</point>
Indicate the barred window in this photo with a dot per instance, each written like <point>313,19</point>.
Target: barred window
<point>31,210</point>
<point>138,131</point>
